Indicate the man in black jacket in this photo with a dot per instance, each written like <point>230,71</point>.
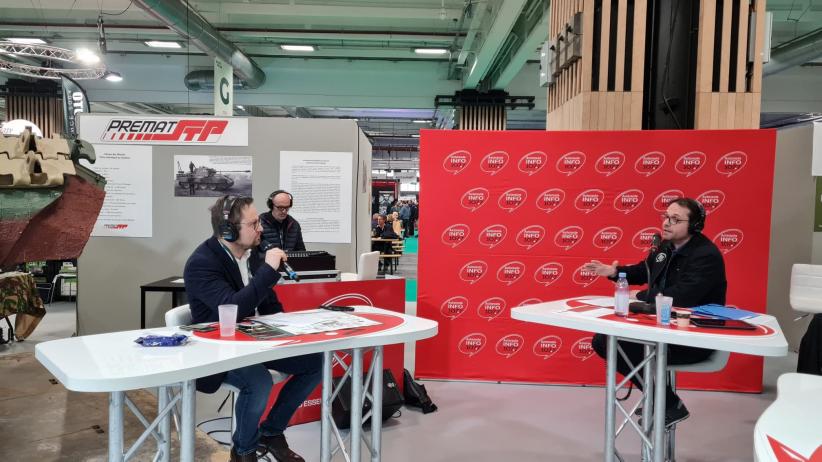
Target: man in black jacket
<point>225,270</point>
<point>690,269</point>
<point>279,228</point>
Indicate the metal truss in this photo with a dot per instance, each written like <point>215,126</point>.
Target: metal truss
<point>46,54</point>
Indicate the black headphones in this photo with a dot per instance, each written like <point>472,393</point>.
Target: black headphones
<point>228,230</point>
<point>698,224</point>
<point>270,201</point>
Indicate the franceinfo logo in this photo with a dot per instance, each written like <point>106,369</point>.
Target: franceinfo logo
<point>664,199</point>
<point>454,307</point>
<point>548,273</point>
<point>456,162</point>
<point>550,199</point>
<point>610,163</point>
<point>584,277</point>
<point>475,198</point>
<point>649,163</point>
<point>644,238</point>
<point>731,163</point>
<point>571,163</point>
<point>491,308</point>
<point>583,348</point>
<point>158,130</point>
<point>568,237</point>
<point>510,345</point>
<point>473,271</point>
<point>607,237</point>
<point>589,200</point>
<point>492,236</point>
<point>472,344</point>
<point>512,199</point>
<point>494,162</point>
<point>532,162</point>
<point>690,163</point>
<point>455,235</point>
<point>728,240</point>
<point>530,236</point>
<point>511,272</point>
<point>547,346</point>
<point>628,201</point>
<point>711,200</point>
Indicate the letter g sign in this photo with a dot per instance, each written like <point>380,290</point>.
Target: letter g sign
<point>224,95</point>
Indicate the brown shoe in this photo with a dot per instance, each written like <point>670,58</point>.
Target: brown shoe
<point>250,457</point>
<point>277,446</point>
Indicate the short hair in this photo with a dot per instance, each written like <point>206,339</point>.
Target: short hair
<point>234,214</point>
<point>696,213</point>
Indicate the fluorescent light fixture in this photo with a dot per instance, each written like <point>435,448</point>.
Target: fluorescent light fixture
<point>420,121</point>
<point>27,41</point>
<point>415,135</point>
<point>87,56</point>
<point>430,51</point>
<point>162,44</point>
<point>297,47</point>
<point>113,76</point>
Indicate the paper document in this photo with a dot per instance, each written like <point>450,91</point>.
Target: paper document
<point>312,322</point>
<point>177,281</point>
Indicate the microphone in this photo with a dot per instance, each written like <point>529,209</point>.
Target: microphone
<point>289,271</point>
<point>656,243</point>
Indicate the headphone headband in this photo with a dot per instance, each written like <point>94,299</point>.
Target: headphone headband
<point>270,201</point>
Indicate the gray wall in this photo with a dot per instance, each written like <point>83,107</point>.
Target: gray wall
<point>112,269</point>
<point>791,223</point>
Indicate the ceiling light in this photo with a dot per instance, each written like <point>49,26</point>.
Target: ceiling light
<point>27,41</point>
<point>422,121</point>
<point>87,56</point>
<point>162,44</point>
<point>113,76</point>
<point>415,135</point>
<point>241,107</point>
<point>297,47</point>
<point>430,51</point>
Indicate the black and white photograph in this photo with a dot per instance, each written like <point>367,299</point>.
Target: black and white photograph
<point>212,176</point>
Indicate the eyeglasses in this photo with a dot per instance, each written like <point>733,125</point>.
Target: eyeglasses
<point>283,209</point>
<point>254,224</point>
<point>673,221</point>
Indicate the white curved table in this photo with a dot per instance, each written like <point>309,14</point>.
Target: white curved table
<point>113,363</point>
<point>789,429</point>
<point>560,313</point>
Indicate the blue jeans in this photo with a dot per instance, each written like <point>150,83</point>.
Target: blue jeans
<point>254,383</point>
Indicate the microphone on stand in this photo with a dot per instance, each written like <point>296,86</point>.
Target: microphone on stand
<point>289,271</point>
<point>647,306</point>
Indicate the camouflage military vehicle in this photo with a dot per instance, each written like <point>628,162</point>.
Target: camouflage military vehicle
<point>203,178</point>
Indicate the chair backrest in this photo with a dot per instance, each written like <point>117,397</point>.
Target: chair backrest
<point>806,288</point>
<point>178,316</point>
<point>368,265</point>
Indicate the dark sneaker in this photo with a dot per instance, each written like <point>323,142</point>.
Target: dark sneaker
<point>277,446</point>
<point>251,457</point>
<point>673,415</point>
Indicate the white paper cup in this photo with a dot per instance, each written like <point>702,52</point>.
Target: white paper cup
<point>663,309</point>
<point>228,320</point>
<point>683,318</point>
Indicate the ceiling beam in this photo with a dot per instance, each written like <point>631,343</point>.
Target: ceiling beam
<point>505,16</point>
<point>532,30</point>
<point>298,112</point>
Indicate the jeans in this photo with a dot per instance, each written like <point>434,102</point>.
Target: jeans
<point>677,355</point>
<point>254,383</point>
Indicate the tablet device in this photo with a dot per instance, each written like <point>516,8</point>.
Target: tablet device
<point>714,323</point>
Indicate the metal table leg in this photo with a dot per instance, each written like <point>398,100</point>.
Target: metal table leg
<point>115,426</point>
<point>142,308</point>
<point>164,429</point>
<point>648,404</point>
<point>659,401</point>
<point>610,399</point>
<point>325,409</point>
<point>376,405</point>
<point>187,422</point>
<point>356,404</point>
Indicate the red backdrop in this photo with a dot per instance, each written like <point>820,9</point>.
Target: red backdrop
<point>509,218</point>
<point>388,294</point>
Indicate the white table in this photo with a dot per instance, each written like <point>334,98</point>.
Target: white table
<point>561,313</point>
<point>113,363</point>
<point>792,425</point>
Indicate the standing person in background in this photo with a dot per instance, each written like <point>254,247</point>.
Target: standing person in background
<point>279,228</point>
<point>415,213</point>
<point>396,223</point>
<point>405,216</point>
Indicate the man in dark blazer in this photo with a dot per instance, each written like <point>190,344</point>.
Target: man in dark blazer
<point>227,269</point>
<point>689,268</point>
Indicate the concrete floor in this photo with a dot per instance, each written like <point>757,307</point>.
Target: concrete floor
<point>476,421</point>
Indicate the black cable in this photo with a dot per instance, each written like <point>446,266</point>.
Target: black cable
<point>118,14</point>
<point>671,24</point>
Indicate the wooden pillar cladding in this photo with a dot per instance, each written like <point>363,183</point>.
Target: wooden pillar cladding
<point>43,110</point>
<point>490,117</point>
<point>729,79</point>
<point>603,89</point>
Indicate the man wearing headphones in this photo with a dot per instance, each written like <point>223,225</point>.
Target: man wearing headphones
<point>225,270</point>
<point>689,268</point>
<point>279,228</point>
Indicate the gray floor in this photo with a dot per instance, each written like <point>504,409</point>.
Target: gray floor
<point>492,422</point>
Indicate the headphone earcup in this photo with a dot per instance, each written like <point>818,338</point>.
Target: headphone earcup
<point>228,231</point>
<point>270,203</point>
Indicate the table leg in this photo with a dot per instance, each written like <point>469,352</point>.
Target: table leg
<point>187,422</point>
<point>376,405</point>
<point>164,428</point>
<point>142,308</point>
<point>648,404</point>
<point>659,401</point>
<point>325,409</point>
<point>356,404</point>
<point>610,399</point>
<point>115,426</point>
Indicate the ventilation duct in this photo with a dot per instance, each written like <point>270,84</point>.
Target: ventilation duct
<point>794,53</point>
<point>181,18</point>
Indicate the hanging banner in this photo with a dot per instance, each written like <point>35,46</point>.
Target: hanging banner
<point>512,216</point>
<point>75,101</point>
<point>181,131</point>
<point>223,88</point>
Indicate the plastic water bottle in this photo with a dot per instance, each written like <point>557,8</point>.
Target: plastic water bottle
<point>621,296</point>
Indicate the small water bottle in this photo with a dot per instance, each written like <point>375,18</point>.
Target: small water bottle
<point>621,296</point>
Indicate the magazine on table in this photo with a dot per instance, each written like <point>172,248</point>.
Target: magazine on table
<point>312,322</point>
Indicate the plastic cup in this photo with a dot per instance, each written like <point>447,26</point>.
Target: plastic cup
<point>663,309</point>
<point>683,318</point>
<point>228,320</point>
